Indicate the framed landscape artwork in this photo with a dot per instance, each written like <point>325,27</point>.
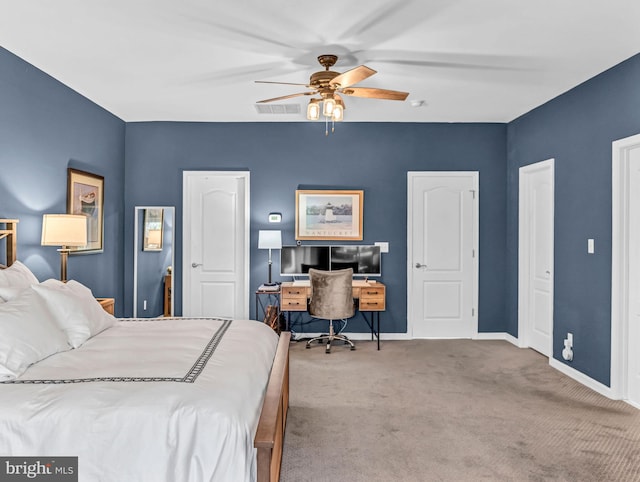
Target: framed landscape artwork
<point>85,196</point>
<point>329,215</point>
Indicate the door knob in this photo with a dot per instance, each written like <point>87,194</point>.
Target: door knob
<point>419,265</point>
<point>195,265</point>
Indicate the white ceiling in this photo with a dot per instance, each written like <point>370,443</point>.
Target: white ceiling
<point>196,60</point>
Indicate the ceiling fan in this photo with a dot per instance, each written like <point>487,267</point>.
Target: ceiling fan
<point>330,85</point>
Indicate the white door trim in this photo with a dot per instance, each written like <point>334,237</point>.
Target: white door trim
<point>186,254</point>
<point>411,175</point>
<point>619,264</point>
<point>524,235</point>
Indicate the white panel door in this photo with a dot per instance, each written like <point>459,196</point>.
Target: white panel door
<point>216,249</point>
<point>536,255</point>
<point>442,248</point>
<point>633,315</point>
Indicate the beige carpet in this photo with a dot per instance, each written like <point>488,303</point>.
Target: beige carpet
<point>450,410</point>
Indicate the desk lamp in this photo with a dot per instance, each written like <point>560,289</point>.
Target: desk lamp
<point>270,239</point>
<point>64,230</point>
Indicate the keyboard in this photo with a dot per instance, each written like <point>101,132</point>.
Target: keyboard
<point>302,282</point>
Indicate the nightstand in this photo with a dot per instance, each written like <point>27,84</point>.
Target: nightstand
<point>108,304</point>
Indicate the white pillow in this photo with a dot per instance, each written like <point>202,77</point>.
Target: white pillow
<point>8,293</point>
<point>28,333</point>
<point>17,276</point>
<point>74,309</point>
<point>14,279</point>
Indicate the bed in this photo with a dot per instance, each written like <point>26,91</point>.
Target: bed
<point>141,399</point>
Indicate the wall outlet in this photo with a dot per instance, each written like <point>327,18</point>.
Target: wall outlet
<point>567,352</point>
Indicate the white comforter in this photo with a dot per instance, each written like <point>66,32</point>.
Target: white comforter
<point>159,400</point>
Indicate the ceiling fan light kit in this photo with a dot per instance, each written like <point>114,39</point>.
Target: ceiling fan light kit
<point>327,109</point>
<point>329,84</point>
<point>313,109</point>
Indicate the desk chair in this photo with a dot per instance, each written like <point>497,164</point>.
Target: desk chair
<point>331,299</point>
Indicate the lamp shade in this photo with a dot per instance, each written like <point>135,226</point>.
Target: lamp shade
<point>64,230</point>
<point>270,239</point>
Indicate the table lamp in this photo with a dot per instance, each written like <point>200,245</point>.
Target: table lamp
<point>269,239</point>
<point>64,230</point>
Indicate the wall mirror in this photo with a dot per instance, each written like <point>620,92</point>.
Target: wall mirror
<point>153,261</point>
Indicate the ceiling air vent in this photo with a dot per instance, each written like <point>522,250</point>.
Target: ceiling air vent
<point>278,108</point>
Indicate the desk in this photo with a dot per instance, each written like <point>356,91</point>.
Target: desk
<point>371,298</point>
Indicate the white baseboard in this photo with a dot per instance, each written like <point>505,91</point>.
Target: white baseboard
<point>497,336</point>
<point>406,336</point>
<point>633,404</point>
<point>582,378</point>
<point>356,336</point>
<point>561,367</point>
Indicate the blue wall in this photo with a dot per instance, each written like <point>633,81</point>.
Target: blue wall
<point>576,129</point>
<point>45,127</point>
<point>370,156</point>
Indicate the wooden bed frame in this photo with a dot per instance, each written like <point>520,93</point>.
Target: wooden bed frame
<point>9,235</point>
<point>269,437</point>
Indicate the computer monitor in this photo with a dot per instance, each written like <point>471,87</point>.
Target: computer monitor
<point>296,260</point>
<point>365,260</point>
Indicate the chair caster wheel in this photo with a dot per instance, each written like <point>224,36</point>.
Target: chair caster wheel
<point>308,346</point>
<point>353,348</point>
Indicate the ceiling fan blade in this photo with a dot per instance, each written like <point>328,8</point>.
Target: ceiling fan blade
<point>352,76</point>
<point>444,60</point>
<point>239,74</point>
<point>211,21</point>
<point>376,26</point>
<point>285,97</point>
<point>282,83</point>
<point>373,93</point>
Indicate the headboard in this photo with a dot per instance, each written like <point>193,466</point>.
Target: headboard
<point>9,234</point>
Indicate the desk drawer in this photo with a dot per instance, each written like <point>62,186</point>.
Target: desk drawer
<point>372,298</point>
<point>293,298</point>
<point>293,291</point>
<point>293,303</point>
<point>372,304</point>
<point>372,292</point>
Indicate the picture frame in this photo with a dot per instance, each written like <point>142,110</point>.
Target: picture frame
<point>153,229</point>
<point>329,215</point>
<point>85,196</point>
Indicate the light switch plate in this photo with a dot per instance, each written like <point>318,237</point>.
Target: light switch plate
<point>384,246</point>
<point>591,246</point>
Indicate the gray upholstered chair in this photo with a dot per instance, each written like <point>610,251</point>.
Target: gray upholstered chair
<point>331,299</point>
